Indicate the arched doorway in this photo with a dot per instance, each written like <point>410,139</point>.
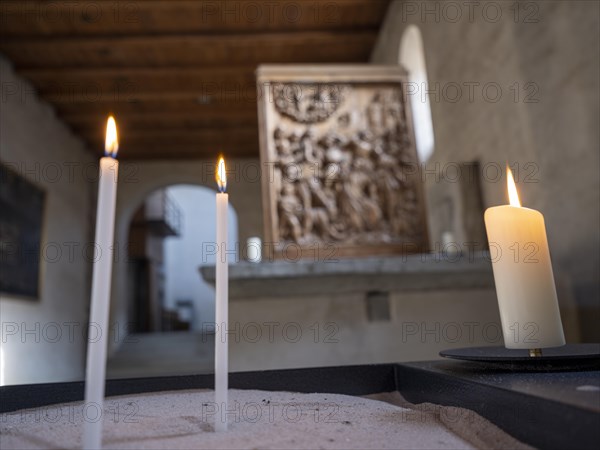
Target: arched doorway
<point>167,300</point>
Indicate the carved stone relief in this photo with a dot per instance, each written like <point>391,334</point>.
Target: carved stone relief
<point>344,167</point>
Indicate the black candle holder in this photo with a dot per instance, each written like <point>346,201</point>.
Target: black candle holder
<point>565,358</point>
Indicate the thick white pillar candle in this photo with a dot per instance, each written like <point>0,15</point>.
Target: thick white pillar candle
<point>101,284</point>
<point>523,274</point>
<point>222,298</point>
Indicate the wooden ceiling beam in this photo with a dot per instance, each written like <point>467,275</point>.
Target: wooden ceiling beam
<point>215,139</point>
<point>191,50</point>
<point>241,96</point>
<point>134,17</point>
<point>230,134</point>
<point>159,107</point>
<point>131,80</point>
<point>132,123</point>
<point>178,151</point>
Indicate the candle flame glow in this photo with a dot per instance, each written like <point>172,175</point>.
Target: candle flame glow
<point>513,195</point>
<point>111,145</point>
<point>221,175</point>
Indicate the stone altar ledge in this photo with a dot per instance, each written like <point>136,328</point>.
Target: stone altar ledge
<point>426,272</point>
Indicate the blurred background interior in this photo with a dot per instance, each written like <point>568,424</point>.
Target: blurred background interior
<point>496,81</point>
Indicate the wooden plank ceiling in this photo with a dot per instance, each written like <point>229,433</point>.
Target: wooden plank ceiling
<point>178,75</point>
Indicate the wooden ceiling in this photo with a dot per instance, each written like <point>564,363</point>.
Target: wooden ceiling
<point>177,75</point>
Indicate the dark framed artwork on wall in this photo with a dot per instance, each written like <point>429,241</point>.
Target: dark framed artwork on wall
<point>21,221</point>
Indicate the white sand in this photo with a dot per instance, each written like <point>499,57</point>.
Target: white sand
<point>262,419</point>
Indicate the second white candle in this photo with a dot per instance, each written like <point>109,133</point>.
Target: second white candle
<point>222,299</point>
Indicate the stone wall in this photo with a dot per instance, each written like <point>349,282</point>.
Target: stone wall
<point>544,58</point>
<point>334,330</point>
<point>42,339</point>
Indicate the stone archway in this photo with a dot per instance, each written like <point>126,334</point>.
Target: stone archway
<point>136,181</point>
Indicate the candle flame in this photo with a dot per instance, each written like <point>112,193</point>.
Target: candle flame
<point>111,144</point>
<point>221,175</point>
<point>513,195</point>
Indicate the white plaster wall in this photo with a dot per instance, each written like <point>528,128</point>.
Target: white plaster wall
<point>42,149</point>
<point>335,330</point>
<point>555,46</point>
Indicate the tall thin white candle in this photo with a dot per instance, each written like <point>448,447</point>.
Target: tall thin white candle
<point>101,284</point>
<point>222,298</point>
<point>523,273</point>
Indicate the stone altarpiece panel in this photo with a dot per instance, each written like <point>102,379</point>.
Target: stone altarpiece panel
<point>340,170</point>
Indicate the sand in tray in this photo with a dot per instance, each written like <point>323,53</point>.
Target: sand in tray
<point>257,419</point>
